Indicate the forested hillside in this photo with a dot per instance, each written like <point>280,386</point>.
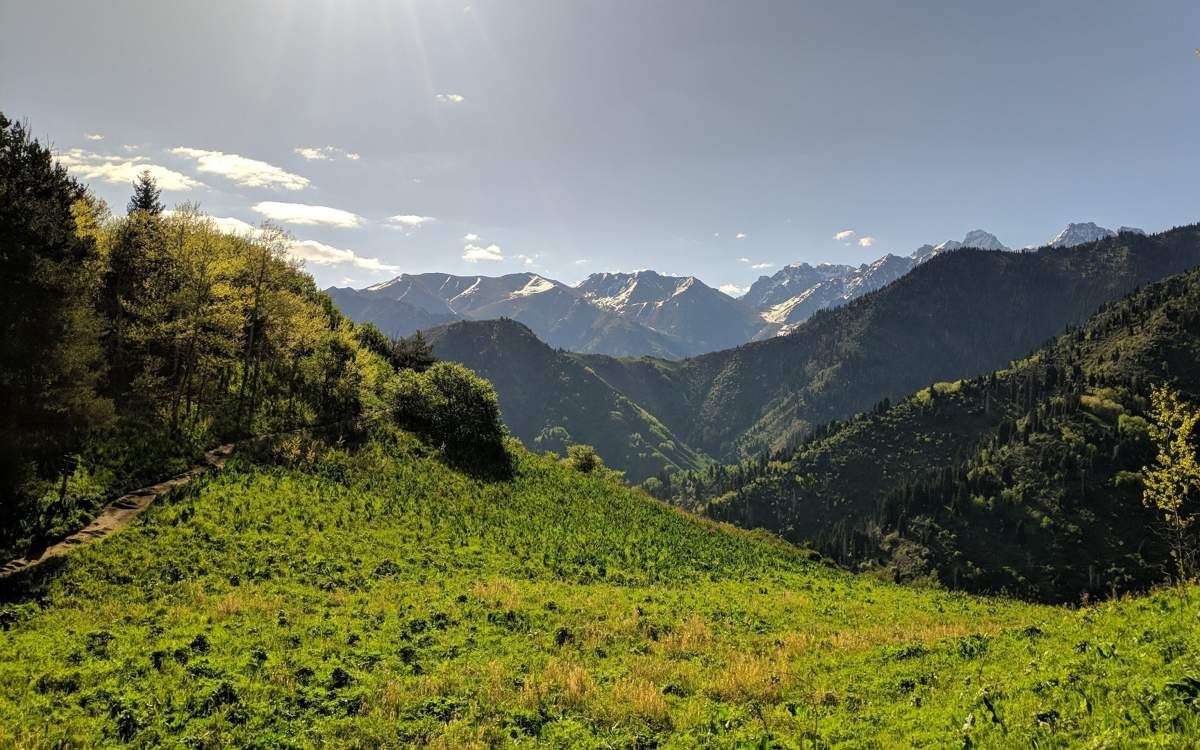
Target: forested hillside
<point>550,400</point>
<point>1027,480</point>
<point>132,343</point>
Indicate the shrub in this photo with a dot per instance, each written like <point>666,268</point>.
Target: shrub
<point>454,410</point>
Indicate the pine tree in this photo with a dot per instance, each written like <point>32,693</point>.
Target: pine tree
<point>145,195</point>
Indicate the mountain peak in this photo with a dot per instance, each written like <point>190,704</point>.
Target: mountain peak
<point>1080,233</point>
<point>983,240</point>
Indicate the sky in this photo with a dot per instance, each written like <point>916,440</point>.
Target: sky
<point>567,137</point>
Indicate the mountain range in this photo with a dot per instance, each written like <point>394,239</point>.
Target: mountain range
<point>645,313</point>
<point>957,315</point>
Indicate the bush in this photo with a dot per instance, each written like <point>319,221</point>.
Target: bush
<point>454,410</point>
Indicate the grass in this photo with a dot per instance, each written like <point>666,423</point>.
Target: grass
<point>377,598</point>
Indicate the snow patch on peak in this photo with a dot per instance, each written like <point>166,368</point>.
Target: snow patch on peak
<point>535,285</point>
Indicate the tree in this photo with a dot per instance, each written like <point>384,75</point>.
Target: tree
<point>48,330</point>
<point>456,411</point>
<point>412,353</point>
<point>145,195</point>
<point>584,459</point>
<point>1172,482</point>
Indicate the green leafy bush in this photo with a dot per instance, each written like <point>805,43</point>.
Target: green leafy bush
<point>455,411</point>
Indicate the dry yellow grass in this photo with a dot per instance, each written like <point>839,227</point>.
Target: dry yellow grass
<point>749,678</point>
<point>634,699</point>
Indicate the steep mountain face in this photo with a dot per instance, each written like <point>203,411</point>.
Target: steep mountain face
<point>550,399</point>
<point>1078,234</point>
<point>559,314</point>
<point>796,292</point>
<point>792,281</point>
<point>685,308</point>
<point>1026,480</point>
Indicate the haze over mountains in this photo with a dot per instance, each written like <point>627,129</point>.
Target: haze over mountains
<point>645,312</point>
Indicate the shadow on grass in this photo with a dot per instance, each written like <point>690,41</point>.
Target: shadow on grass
<point>26,585</point>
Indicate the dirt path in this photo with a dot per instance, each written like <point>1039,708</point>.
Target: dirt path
<point>120,513</point>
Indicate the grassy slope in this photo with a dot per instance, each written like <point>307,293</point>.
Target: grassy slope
<point>382,599</point>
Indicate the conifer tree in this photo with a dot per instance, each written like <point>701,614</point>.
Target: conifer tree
<point>145,195</point>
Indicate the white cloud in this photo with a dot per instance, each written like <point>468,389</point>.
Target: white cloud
<point>761,266</point>
<point>409,221</point>
<point>476,253</point>
<point>717,235</point>
<point>743,260</point>
<point>318,253</point>
<point>93,136</point>
<point>243,171</point>
<point>740,236</point>
<point>733,290</point>
<point>130,149</point>
<point>324,153</point>
<point>528,260</point>
<point>123,170</point>
<point>582,262</point>
<point>471,237</point>
<point>450,98</point>
<point>845,234</point>
<point>302,213</point>
<point>230,225</point>
<point>866,241</point>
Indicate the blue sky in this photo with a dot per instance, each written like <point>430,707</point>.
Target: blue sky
<point>706,138</point>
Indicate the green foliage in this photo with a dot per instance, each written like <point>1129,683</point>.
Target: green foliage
<point>380,598</point>
<point>50,374</point>
<point>456,411</point>
<point>1172,482</point>
<point>133,343</point>
<point>584,459</point>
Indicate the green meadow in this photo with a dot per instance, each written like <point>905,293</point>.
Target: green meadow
<point>374,596</point>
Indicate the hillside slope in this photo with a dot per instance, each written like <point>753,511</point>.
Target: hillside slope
<point>573,404</point>
<point>379,599</point>
<point>1025,480</point>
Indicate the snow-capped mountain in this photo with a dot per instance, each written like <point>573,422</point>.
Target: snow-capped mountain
<point>794,293</point>
<point>683,307</point>
<point>1078,234</point>
<point>557,313</point>
<point>618,314</point>
<point>790,282</point>
<point>974,238</point>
